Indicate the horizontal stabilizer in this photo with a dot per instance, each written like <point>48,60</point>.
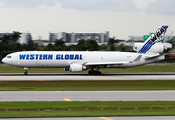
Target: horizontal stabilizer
<point>154,57</point>
<point>169,51</point>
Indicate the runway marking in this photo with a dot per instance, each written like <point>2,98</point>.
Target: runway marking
<point>67,99</point>
<point>58,91</point>
<point>104,118</point>
<point>170,90</point>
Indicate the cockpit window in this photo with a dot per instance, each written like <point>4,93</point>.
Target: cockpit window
<point>9,56</point>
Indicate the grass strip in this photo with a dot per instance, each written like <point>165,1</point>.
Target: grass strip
<point>146,68</point>
<point>85,113</point>
<point>86,109</point>
<point>87,85</point>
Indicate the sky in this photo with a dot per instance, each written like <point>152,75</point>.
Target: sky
<point>122,18</point>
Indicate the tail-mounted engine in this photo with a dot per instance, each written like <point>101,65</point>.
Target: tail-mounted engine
<point>157,48</point>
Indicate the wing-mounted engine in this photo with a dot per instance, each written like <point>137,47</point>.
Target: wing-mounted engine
<point>156,48</point>
<point>75,68</point>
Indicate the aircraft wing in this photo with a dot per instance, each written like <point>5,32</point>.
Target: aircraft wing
<point>115,63</point>
<point>106,63</point>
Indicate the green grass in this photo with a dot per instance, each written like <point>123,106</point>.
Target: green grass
<point>85,104</point>
<point>85,113</point>
<point>86,109</point>
<point>87,85</point>
<point>146,68</point>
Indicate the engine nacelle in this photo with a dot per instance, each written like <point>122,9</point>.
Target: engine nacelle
<point>76,68</point>
<point>156,48</point>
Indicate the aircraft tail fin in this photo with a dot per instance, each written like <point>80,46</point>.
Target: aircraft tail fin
<point>156,37</point>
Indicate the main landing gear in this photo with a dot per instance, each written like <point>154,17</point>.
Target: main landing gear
<point>94,72</point>
<point>25,73</point>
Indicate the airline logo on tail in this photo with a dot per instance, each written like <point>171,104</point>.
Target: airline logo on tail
<point>154,38</point>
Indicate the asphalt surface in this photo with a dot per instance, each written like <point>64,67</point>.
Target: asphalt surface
<point>87,95</point>
<point>85,76</point>
<point>101,118</point>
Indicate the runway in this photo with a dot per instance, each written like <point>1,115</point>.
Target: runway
<point>85,76</point>
<point>101,118</point>
<point>87,95</point>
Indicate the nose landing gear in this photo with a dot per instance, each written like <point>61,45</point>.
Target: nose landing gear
<point>25,73</point>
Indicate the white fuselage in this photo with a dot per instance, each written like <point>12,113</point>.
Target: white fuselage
<point>63,59</point>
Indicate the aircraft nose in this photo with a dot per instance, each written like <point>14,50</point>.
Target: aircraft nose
<point>4,60</point>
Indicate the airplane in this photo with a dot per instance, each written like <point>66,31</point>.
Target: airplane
<point>77,61</point>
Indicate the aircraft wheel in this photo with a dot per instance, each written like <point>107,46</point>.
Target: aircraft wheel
<point>99,73</point>
<point>25,68</point>
<point>90,72</point>
<point>25,73</point>
<point>94,72</point>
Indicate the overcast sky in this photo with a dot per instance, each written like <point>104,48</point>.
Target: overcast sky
<point>122,18</point>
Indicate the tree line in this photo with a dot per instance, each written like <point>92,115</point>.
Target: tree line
<point>82,45</point>
<point>9,43</point>
<point>88,45</point>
